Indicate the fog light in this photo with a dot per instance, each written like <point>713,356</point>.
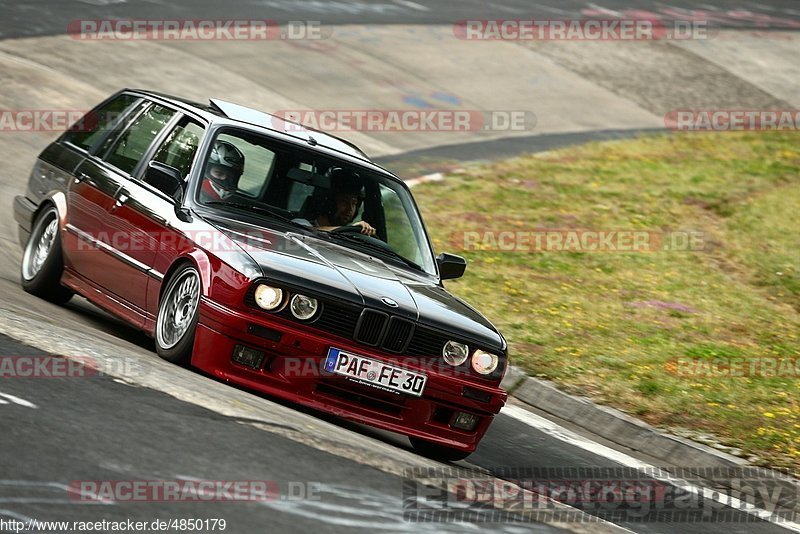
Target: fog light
<point>465,421</point>
<point>246,356</point>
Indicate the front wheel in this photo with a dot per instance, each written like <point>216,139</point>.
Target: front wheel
<point>43,260</point>
<point>178,314</point>
<point>437,452</point>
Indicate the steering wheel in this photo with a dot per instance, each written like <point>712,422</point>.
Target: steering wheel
<point>355,231</point>
<point>347,229</point>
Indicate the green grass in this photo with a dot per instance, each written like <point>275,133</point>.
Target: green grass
<point>612,325</point>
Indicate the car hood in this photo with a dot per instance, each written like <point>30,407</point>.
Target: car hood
<point>361,279</point>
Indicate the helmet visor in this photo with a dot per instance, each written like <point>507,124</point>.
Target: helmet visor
<point>225,177</point>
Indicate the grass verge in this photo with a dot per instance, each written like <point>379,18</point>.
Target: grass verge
<point>662,333</point>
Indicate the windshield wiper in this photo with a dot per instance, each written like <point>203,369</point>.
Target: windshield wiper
<point>386,249</point>
<point>258,209</point>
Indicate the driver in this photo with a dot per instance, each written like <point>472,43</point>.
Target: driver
<point>342,201</point>
<point>223,170</point>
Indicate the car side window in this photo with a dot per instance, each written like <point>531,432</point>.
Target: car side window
<point>180,148</point>
<point>134,142</point>
<point>93,126</point>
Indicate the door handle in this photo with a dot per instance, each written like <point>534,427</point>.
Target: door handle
<point>81,177</point>
<point>121,200</point>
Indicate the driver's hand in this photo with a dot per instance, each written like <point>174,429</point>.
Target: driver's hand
<point>365,228</point>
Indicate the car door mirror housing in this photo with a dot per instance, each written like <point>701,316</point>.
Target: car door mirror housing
<point>450,266</point>
<point>166,179</point>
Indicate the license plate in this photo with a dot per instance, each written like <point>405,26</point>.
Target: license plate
<point>374,373</point>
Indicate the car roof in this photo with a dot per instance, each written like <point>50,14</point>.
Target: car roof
<point>217,109</point>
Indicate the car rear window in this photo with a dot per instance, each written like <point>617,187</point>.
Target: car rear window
<point>94,125</point>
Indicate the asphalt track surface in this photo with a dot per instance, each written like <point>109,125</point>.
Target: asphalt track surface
<point>98,428</point>
<point>104,429</point>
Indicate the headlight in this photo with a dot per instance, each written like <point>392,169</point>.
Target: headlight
<point>484,362</point>
<point>455,353</point>
<point>268,297</point>
<point>303,307</point>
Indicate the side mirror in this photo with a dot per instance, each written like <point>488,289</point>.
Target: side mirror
<point>450,266</point>
<point>166,179</point>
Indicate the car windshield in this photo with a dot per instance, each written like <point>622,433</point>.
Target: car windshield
<point>355,206</point>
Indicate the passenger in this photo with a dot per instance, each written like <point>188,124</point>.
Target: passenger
<point>223,170</point>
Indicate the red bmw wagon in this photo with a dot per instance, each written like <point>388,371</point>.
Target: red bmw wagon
<point>270,255</point>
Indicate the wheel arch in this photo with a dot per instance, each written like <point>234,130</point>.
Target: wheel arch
<point>57,199</point>
<point>197,259</point>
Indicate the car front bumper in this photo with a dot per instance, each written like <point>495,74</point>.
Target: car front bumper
<point>293,369</point>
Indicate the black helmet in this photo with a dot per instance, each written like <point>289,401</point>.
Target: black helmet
<point>342,182</point>
<point>231,159</point>
<point>345,181</point>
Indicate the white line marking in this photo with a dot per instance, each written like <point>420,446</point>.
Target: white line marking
<point>761,6</point>
<point>567,436</point>
<point>605,10</point>
<point>16,400</point>
<point>435,177</point>
<point>411,5</point>
<point>15,515</point>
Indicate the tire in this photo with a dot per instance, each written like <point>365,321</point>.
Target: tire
<point>43,260</point>
<point>178,314</point>
<point>437,452</point>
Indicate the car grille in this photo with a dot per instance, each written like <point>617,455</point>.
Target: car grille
<point>337,319</point>
<point>426,343</point>
<point>379,329</point>
<point>376,328</point>
<point>398,335</point>
<point>371,327</point>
